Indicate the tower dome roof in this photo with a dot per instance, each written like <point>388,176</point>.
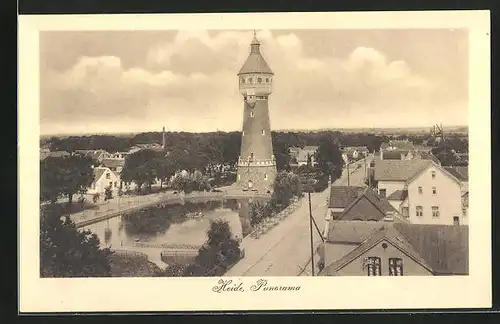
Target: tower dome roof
<point>255,62</point>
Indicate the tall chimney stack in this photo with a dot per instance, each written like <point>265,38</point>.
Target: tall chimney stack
<point>163,143</point>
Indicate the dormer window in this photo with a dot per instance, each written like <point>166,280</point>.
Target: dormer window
<point>267,80</point>
<point>242,80</point>
<point>250,80</point>
<point>259,80</point>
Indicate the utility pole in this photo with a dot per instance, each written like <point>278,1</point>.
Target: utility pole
<point>348,173</point>
<point>311,233</point>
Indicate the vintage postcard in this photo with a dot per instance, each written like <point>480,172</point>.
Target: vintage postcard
<point>254,161</point>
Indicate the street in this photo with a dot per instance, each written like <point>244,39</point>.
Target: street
<point>286,249</point>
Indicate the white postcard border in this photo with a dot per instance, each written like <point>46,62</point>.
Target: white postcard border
<point>185,294</point>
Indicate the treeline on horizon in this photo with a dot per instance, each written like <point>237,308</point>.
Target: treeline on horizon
<point>228,143</point>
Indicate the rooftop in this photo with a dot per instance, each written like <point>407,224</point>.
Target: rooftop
<point>441,248</point>
<point>460,172</point>
<point>255,62</point>
<point>371,208</point>
<point>399,170</point>
<point>344,196</point>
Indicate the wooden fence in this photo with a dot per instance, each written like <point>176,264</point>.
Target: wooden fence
<point>268,223</point>
<point>132,254</point>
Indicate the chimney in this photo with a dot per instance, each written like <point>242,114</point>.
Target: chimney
<point>163,142</point>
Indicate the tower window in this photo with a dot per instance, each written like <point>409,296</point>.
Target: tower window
<point>259,80</point>
<point>265,176</point>
<point>242,80</point>
<point>250,80</point>
<point>251,114</point>
<point>263,132</point>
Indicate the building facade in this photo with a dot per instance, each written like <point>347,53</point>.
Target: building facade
<point>256,163</point>
<point>421,190</point>
<point>394,249</point>
<point>104,178</point>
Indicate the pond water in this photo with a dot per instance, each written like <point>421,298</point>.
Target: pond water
<point>185,224</point>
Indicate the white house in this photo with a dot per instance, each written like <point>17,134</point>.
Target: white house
<point>423,191</point>
<point>103,178</point>
<point>300,155</point>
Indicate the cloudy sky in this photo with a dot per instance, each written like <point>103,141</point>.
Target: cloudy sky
<point>136,81</point>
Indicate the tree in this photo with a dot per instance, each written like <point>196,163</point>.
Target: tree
<point>66,175</point>
<point>140,168</point>
<point>329,157</point>
<point>257,212</point>
<point>108,193</point>
<point>220,251</point>
<point>50,182</point>
<point>281,152</point>
<point>67,252</point>
<point>286,186</point>
<point>175,270</point>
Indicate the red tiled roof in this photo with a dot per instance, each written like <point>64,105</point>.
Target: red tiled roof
<point>399,170</point>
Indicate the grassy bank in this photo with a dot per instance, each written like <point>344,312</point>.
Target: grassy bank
<point>130,266</point>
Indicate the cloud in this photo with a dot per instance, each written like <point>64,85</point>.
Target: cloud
<point>190,83</point>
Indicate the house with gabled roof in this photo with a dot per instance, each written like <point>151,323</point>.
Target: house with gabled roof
<point>299,156</point>
<point>352,203</point>
<point>421,190</point>
<point>104,178</point>
<point>394,249</point>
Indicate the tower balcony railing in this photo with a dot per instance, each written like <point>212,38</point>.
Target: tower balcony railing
<point>254,161</point>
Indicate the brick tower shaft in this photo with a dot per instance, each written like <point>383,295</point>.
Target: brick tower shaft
<point>256,164</point>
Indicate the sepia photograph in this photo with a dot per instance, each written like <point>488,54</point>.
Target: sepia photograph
<point>236,151</point>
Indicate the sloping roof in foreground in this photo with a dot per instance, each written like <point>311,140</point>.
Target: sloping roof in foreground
<point>443,249</point>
